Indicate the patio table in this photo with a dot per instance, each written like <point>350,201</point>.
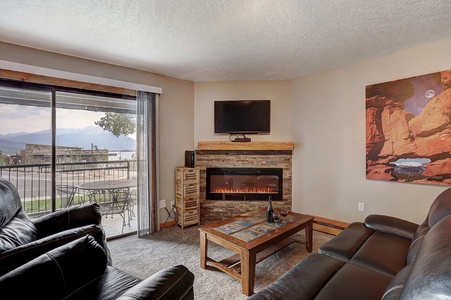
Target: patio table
<point>118,189</point>
<point>108,185</point>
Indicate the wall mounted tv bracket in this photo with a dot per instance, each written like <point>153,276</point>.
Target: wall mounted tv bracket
<point>239,139</point>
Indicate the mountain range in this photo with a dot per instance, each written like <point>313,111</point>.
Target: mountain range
<point>85,138</point>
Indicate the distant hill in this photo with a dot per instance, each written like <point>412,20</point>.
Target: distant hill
<point>13,143</point>
<point>10,147</point>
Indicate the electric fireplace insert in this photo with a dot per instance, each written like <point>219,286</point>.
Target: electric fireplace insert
<point>244,183</point>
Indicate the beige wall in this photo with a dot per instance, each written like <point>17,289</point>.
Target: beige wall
<point>328,112</point>
<point>279,92</point>
<point>176,103</point>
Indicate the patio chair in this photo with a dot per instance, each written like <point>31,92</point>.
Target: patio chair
<point>66,194</point>
<point>117,206</point>
<point>132,201</point>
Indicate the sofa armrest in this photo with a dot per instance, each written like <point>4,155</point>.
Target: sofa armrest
<point>391,225</point>
<point>72,217</point>
<point>170,283</point>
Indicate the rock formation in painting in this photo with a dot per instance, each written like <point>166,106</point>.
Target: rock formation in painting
<point>394,134</point>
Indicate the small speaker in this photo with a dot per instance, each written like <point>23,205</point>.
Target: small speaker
<point>189,159</point>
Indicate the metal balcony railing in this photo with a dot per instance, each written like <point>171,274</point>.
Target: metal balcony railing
<point>34,181</point>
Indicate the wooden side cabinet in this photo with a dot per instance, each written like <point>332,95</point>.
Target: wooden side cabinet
<point>187,196</point>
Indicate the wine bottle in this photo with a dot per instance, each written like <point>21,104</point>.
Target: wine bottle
<point>269,212</point>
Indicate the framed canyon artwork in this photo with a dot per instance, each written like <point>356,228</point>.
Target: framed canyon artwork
<point>408,130</point>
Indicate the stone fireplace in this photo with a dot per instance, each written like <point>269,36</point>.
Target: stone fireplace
<point>267,163</point>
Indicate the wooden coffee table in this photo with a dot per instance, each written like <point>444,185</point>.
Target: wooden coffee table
<point>254,240</point>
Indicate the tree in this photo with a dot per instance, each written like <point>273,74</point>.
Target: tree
<point>4,161</point>
<point>117,123</point>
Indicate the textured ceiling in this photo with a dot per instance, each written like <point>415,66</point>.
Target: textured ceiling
<point>215,40</point>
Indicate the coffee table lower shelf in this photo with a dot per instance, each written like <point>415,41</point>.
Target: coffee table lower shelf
<point>232,264</point>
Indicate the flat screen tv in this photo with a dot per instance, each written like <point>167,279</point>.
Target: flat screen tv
<point>242,116</point>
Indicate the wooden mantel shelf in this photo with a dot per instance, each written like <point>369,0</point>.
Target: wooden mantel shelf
<point>245,146</point>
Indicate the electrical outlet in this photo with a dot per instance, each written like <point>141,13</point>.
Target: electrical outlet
<point>361,206</point>
<point>162,203</point>
<point>172,204</point>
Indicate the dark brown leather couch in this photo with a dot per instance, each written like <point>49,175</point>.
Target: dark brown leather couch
<point>64,255</point>
<point>383,258</point>
<point>79,270</point>
<point>22,238</point>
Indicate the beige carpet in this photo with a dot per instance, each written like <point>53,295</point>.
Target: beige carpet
<point>174,246</point>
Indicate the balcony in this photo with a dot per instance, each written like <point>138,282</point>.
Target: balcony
<point>34,184</point>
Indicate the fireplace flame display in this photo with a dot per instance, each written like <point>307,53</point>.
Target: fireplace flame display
<point>267,190</point>
<point>244,183</point>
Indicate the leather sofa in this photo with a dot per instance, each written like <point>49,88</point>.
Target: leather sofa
<point>64,255</point>
<point>79,270</point>
<point>382,258</point>
<point>22,238</point>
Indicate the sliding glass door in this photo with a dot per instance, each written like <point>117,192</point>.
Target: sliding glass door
<point>65,147</point>
<point>26,124</point>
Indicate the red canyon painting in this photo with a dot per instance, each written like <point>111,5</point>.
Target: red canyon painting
<point>408,130</point>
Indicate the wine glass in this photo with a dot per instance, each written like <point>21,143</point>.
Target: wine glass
<point>284,213</point>
<point>276,217</point>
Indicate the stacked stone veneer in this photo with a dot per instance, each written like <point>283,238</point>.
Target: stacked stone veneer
<point>213,210</point>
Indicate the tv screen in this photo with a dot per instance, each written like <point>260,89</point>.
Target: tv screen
<point>242,116</point>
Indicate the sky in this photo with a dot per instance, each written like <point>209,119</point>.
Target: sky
<point>425,88</point>
<point>20,118</point>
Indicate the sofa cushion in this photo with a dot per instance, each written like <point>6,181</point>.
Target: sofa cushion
<point>383,252</point>
<point>421,230</point>
<point>10,202</point>
<point>440,208</point>
<point>417,240</point>
<point>111,284</point>
<point>72,217</point>
<point>431,272</point>
<point>354,282</point>
<point>15,257</point>
<point>62,270</point>
<point>17,232</point>
<point>304,281</point>
<point>347,242</point>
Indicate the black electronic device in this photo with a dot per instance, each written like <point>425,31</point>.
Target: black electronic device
<point>242,116</point>
<point>189,159</point>
<point>241,139</point>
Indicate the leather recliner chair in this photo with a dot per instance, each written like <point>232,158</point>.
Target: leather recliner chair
<point>79,270</point>
<point>23,239</point>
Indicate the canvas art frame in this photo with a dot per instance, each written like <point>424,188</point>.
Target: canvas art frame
<point>408,129</point>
